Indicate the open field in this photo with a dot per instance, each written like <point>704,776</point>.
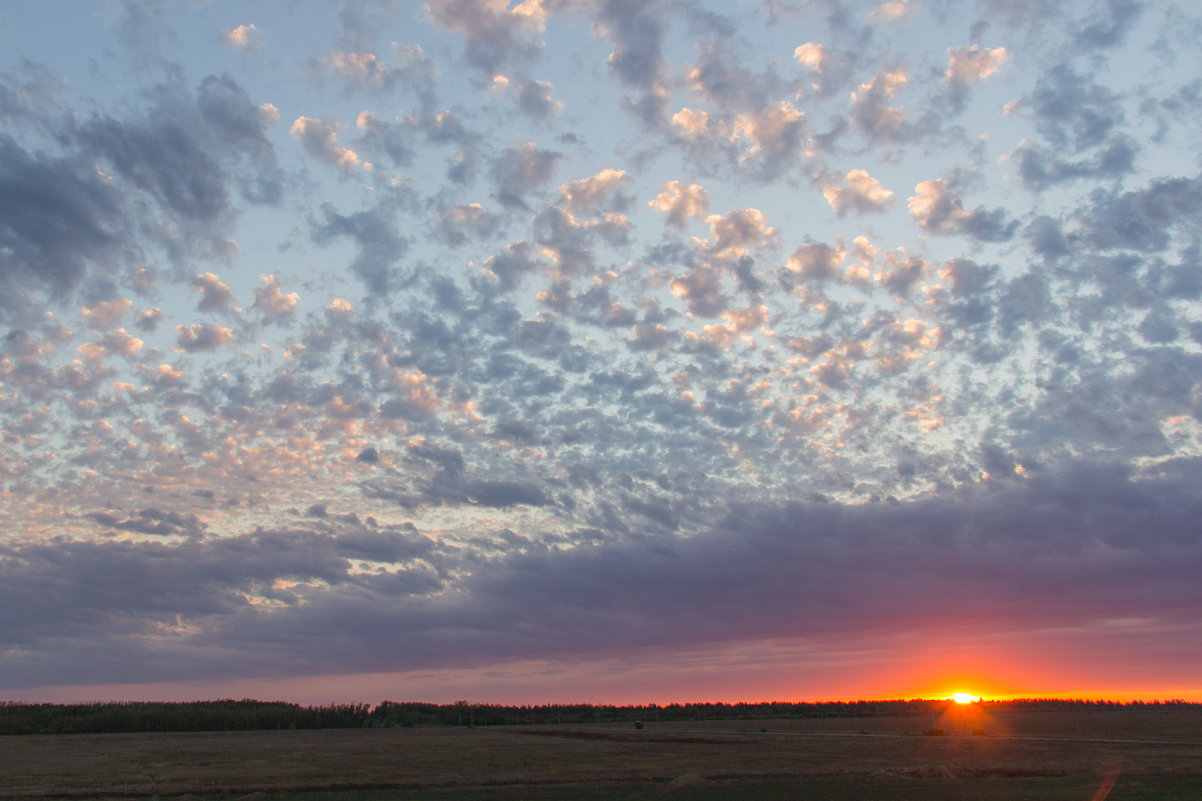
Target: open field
<point>1147,753</point>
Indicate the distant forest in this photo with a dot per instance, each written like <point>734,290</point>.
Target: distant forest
<point>248,715</point>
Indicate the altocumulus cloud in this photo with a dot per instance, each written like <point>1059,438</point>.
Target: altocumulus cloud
<point>375,340</point>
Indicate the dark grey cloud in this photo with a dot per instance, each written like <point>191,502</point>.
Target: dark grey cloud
<point>101,186</point>
<point>1079,123</point>
<point>1073,111</point>
<point>214,294</point>
<point>516,261</point>
<point>872,108</point>
<point>141,25</point>
<point>163,160</point>
<point>521,170</point>
<point>701,287</point>
<point>447,480</point>
<point>938,209</point>
<point>464,223</point>
<point>58,219</point>
<point>721,84</point>
<point>1040,168</point>
<point>392,140</point>
<point>1077,545</point>
<point>379,245</point>
<point>185,151</point>
<point>494,35</point>
<point>239,127</point>
<point>144,589</point>
<point>200,337</point>
<point>1143,219</point>
<point>360,21</point>
<point>636,30</point>
<point>535,99</point>
<point>152,521</point>
<point>1108,23</point>
<point>1046,238</point>
<point>570,242</point>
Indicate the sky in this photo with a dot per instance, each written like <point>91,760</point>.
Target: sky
<point>600,350</point>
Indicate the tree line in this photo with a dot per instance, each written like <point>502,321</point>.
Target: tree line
<point>252,715</point>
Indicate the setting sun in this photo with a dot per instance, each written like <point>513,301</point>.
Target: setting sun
<point>963,698</point>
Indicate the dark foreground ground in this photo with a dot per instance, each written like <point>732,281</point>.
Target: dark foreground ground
<point>1083,755</point>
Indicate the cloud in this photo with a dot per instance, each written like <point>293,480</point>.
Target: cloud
<point>691,123</point>
<point>637,35</point>
<point>717,82</point>
<point>966,277</point>
<point>973,64</point>
<point>701,288</point>
<point>105,314</point>
<point>108,179</point>
<point>772,137</point>
<point>650,337</point>
<point>243,37</point>
<point>465,222</point>
<point>520,170</point>
<point>1107,28</point>
<point>494,34</point>
<point>215,295</point>
<point>141,27</point>
<point>681,202</point>
<point>1039,167</point>
<point>1072,112</point>
<point>149,319</point>
<point>733,234</point>
<point>939,211</point>
<point>535,99</point>
<point>390,139</point>
<point>321,141</point>
<point>861,193</point>
<point>870,109</point>
<point>600,192</point>
<point>573,351</point>
<point>816,262</point>
<point>152,521</point>
<point>519,259</point>
<point>187,608</point>
<point>831,68</point>
<point>1141,220</point>
<point>889,11</point>
<point>59,219</point>
<point>637,32</point>
<point>198,337</point>
<point>379,245</point>
<point>272,303</point>
<point>121,342</point>
<point>365,71</point>
<point>182,151</point>
<point>240,127</point>
<point>903,274</point>
<point>567,243</point>
<point>810,54</point>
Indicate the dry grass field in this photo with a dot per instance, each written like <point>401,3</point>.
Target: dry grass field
<point>1079,754</point>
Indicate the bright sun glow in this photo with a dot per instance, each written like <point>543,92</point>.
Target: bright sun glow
<point>964,698</point>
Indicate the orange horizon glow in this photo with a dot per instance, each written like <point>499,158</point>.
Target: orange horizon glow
<point>963,698</point>
<point>321,690</point>
<point>755,672</point>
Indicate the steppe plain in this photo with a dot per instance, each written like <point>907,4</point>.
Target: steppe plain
<point>967,752</point>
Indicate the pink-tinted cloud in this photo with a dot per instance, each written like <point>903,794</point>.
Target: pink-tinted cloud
<point>858,191</point>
